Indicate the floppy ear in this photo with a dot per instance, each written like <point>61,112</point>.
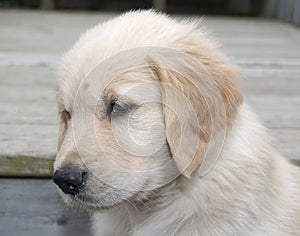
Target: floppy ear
<point>200,102</point>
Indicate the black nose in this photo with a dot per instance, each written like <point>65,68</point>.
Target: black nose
<point>69,180</point>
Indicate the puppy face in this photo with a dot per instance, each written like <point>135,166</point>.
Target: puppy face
<point>138,120</point>
<point>117,141</point>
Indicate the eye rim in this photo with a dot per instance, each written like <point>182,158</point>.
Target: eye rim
<point>66,115</point>
<point>118,107</point>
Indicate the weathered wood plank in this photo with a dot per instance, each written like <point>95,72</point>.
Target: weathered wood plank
<point>25,166</point>
<point>35,140</point>
<point>286,142</point>
<point>276,112</point>
<point>33,208</point>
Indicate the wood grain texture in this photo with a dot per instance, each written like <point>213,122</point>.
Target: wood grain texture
<point>25,166</point>
<point>31,207</point>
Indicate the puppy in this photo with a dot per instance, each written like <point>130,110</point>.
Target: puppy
<point>155,139</point>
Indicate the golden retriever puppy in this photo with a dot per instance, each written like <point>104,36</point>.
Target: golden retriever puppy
<point>155,138</point>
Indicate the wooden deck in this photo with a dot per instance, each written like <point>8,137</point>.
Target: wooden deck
<point>31,45</point>
<point>32,207</point>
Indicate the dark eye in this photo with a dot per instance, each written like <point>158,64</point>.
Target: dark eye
<point>117,108</point>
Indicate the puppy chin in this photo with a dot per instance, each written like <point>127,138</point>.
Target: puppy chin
<point>86,202</point>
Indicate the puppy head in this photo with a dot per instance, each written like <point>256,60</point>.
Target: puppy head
<point>143,116</point>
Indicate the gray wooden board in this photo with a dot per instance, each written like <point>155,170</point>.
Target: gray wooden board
<point>32,208</point>
<point>32,43</point>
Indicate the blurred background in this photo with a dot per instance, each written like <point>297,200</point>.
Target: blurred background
<point>286,10</point>
<point>262,37</point>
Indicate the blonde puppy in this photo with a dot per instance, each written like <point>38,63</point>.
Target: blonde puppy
<point>155,138</point>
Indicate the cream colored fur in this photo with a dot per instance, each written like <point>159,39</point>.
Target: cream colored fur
<point>250,191</point>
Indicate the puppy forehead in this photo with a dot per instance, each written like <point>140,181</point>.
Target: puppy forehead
<point>136,87</point>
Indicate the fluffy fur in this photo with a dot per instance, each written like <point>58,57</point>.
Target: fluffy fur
<point>251,189</point>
